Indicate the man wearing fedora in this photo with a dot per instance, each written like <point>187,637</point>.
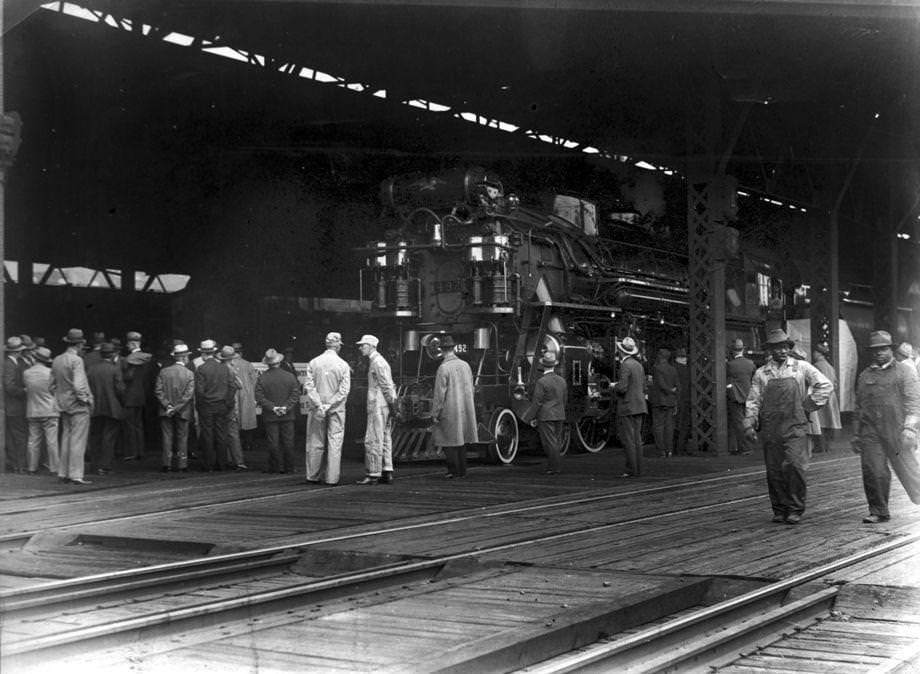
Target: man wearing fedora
<point>175,392</point>
<point>547,411</point>
<point>75,400</point>
<point>136,370</point>
<point>739,370</point>
<point>453,409</point>
<point>829,415</point>
<point>631,406</point>
<point>215,397</point>
<point>785,393</point>
<point>14,398</point>
<point>887,425</point>
<point>108,387</point>
<point>42,412</point>
<point>278,393</point>
<point>381,405</point>
<point>92,357</point>
<point>327,384</point>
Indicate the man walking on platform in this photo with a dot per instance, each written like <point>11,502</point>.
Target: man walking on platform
<point>887,424</point>
<point>381,405</point>
<point>738,372</point>
<point>547,411</point>
<point>781,404</point>
<point>175,393</point>
<point>327,384</point>
<point>75,400</point>
<point>108,387</point>
<point>631,407</point>
<point>277,393</point>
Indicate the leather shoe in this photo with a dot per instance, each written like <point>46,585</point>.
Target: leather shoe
<point>309,481</point>
<point>792,518</point>
<point>80,481</point>
<point>448,476</point>
<point>778,519</point>
<point>368,480</point>
<point>875,519</point>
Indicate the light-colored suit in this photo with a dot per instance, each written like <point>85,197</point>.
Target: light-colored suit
<point>71,389</point>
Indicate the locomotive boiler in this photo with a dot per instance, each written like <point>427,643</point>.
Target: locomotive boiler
<point>462,256</point>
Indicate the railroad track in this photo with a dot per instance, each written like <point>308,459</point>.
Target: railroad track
<point>185,611</point>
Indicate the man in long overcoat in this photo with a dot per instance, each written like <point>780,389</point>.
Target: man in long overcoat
<point>381,405</point>
<point>108,387</point>
<point>887,424</point>
<point>327,384</point>
<point>453,409</point>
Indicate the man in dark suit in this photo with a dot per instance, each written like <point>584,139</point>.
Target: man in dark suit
<point>108,387</point>
<point>738,372</point>
<point>215,397</point>
<point>547,411</point>
<point>14,393</point>
<point>631,406</point>
<point>136,369</point>
<point>278,393</point>
<point>663,399</point>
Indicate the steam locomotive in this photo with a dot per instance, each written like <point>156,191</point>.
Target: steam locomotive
<point>461,256</point>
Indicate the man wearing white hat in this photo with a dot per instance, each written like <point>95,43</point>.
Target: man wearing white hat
<point>381,402</point>
<point>328,380</point>
<point>175,392</point>
<point>631,405</point>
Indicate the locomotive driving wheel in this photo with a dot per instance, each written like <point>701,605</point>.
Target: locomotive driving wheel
<point>592,433</point>
<point>505,430</point>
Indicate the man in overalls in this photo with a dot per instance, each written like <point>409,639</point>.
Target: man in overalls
<point>784,395</point>
<point>887,421</point>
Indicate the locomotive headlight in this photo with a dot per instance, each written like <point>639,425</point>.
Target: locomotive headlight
<point>519,393</point>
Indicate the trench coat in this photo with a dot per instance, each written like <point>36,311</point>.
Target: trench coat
<point>246,395</point>
<point>452,406</point>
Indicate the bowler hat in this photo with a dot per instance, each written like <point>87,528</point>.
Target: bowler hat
<point>446,342</point>
<point>42,353</point>
<point>14,343</point>
<point>272,357</point>
<point>227,353</point>
<point>370,340</point>
<point>879,339</point>
<point>778,336</point>
<point>548,359</point>
<point>74,336</point>
<point>628,346</point>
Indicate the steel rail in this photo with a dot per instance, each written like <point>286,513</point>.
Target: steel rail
<point>600,655</point>
<point>72,584</point>
<point>342,583</point>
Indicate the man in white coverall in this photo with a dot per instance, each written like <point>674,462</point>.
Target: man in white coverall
<point>327,384</point>
<point>381,402</point>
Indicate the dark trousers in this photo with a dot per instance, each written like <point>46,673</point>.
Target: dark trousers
<point>213,435</point>
<point>456,460</point>
<point>737,443</point>
<point>174,434</point>
<point>133,432</point>
<point>104,433</point>
<point>787,461</point>
<point>877,454</point>
<point>663,429</point>
<point>17,441</point>
<point>629,430</point>
<point>683,428</point>
<point>552,434</point>
<point>280,436</point>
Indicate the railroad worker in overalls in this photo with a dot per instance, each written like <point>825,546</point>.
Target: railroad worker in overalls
<point>327,383</point>
<point>631,406</point>
<point>887,424</point>
<point>738,371</point>
<point>453,409</point>
<point>663,399</point>
<point>781,403</point>
<point>547,411</point>
<point>381,404</point>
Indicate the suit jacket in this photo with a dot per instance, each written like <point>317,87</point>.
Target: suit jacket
<point>69,383</point>
<point>40,401</point>
<point>277,388</point>
<point>665,385</point>
<point>550,394</point>
<point>138,379</point>
<point>215,384</point>
<point>738,373</point>
<point>14,389</point>
<point>630,388</point>
<point>175,385</point>
<point>108,387</point>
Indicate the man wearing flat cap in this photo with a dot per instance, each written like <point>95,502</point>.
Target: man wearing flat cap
<point>785,393</point>
<point>327,384</point>
<point>75,400</point>
<point>887,425</point>
<point>381,404</point>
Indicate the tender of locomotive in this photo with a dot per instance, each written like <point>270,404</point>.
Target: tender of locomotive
<point>462,256</point>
